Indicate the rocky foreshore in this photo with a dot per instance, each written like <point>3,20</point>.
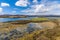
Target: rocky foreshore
<point>34,30</point>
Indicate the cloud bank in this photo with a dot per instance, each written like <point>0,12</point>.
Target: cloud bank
<point>32,7</point>
<point>4,4</point>
<point>22,3</point>
<point>45,7</point>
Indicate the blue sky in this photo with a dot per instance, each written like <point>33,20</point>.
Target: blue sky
<point>30,7</point>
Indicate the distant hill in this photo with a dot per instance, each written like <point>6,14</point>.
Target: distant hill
<point>24,16</point>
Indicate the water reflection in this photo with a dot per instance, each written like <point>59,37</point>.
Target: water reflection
<point>12,19</point>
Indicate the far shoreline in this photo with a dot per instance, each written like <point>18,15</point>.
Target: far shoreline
<point>25,16</point>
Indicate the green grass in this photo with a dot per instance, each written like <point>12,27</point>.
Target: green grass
<point>39,19</point>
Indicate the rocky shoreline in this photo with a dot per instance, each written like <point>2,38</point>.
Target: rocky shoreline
<point>24,30</point>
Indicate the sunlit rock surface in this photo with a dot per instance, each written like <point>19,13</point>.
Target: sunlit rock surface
<point>42,25</point>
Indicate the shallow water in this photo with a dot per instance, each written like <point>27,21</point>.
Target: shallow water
<point>12,19</point>
<point>28,18</point>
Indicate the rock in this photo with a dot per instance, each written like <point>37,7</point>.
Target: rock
<point>42,25</point>
<point>57,38</point>
<point>48,25</point>
<point>35,25</point>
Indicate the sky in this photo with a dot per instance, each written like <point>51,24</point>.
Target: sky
<point>30,7</point>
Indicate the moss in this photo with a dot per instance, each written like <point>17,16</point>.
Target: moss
<point>39,19</point>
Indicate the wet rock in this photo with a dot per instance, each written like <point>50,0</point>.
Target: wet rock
<point>7,38</point>
<point>34,25</point>
<point>30,29</point>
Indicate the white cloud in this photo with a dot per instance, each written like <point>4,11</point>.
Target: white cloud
<point>5,4</point>
<point>1,10</point>
<point>35,1</point>
<point>42,7</point>
<point>22,3</point>
<point>49,8</point>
